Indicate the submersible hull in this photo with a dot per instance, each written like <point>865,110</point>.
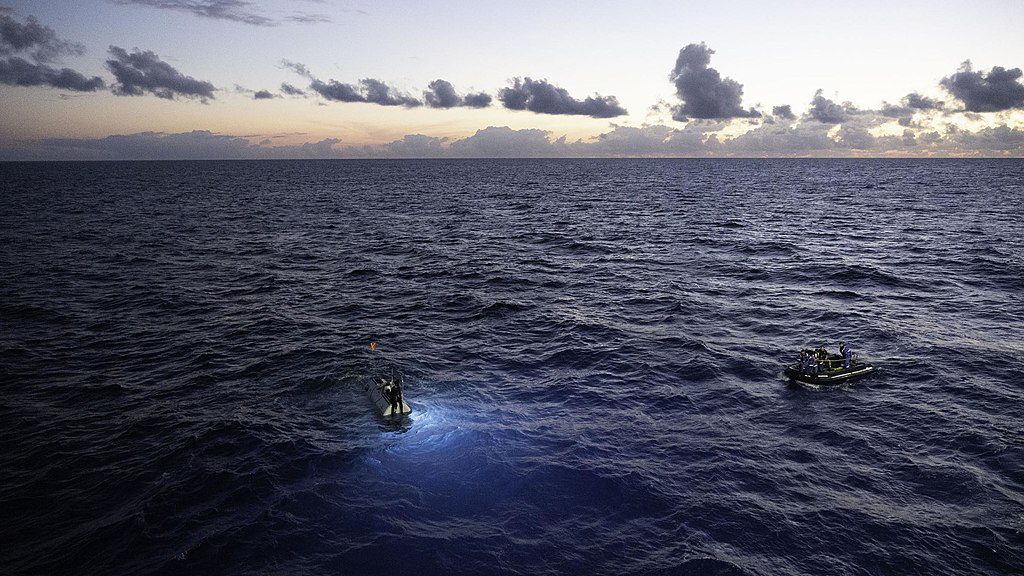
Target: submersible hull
<point>375,389</point>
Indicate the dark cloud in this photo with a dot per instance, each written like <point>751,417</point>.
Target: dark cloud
<point>377,92</point>
<point>919,102</point>
<point>20,72</point>
<point>477,100</point>
<point>292,90</point>
<point>370,90</point>
<point>140,72</point>
<point>998,89</point>
<point>908,105</point>
<point>263,95</point>
<point>39,42</point>
<point>337,91</point>
<point>441,94</point>
<point>828,112</point>
<point>544,98</point>
<point>784,112</point>
<point>233,10</point>
<point>705,94</point>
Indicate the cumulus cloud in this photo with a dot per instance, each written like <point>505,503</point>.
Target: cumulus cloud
<point>544,98</point>
<point>139,72</point>
<point>377,92</point>
<point>784,112</point>
<point>908,105</point>
<point>20,72</point>
<point>263,95</point>
<point>828,112</point>
<point>705,94</point>
<point>42,46</point>
<point>441,94</point>
<point>477,100</point>
<point>370,91</point>
<point>993,91</point>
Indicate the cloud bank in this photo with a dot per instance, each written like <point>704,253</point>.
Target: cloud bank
<point>139,72</point>
<point>807,137</point>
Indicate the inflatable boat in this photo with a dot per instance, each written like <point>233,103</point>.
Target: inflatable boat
<point>386,395</point>
<point>830,377</point>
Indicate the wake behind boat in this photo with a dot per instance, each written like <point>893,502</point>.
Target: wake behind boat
<point>819,368</point>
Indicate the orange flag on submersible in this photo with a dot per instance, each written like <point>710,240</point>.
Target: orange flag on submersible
<point>373,346</point>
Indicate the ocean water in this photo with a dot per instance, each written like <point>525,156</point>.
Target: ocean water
<point>593,352</point>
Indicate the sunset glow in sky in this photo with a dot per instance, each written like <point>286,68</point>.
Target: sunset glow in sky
<point>99,79</point>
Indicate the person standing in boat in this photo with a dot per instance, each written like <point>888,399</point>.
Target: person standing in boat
<point>847,353</point>
<point>808,363</point>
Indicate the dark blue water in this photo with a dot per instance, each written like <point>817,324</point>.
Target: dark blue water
<point>593,352</point>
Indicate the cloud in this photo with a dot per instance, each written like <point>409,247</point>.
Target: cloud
<point>441,94</point>
<point>504,142</point>
<point>16,71</point>
<point>784,112</point>
<point>828,112</point>
<point>697,139</point>
<point>544,98</point>
<point>370,90</point>
<point>705,94</point>
<point>233,10</point>
<point>997,90</point>
<point>298,68</point>
<point>195,145</point>
<point>41,42</point>
<point>140,72</point>
<point>291,90</point>
<point>919,102</point>
<point>377,92</point>
<point>337,91</point>
<point>309,18</point>
<point>908,105</point>
<point>263,95</point>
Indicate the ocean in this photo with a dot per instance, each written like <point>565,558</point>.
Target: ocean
<point>593,351</point>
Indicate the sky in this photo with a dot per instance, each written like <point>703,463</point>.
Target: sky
<point>168,79</point>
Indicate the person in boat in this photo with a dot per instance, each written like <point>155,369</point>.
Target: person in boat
<point>847,353</point>
<point>821,355</point>
<point>808,363</point>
